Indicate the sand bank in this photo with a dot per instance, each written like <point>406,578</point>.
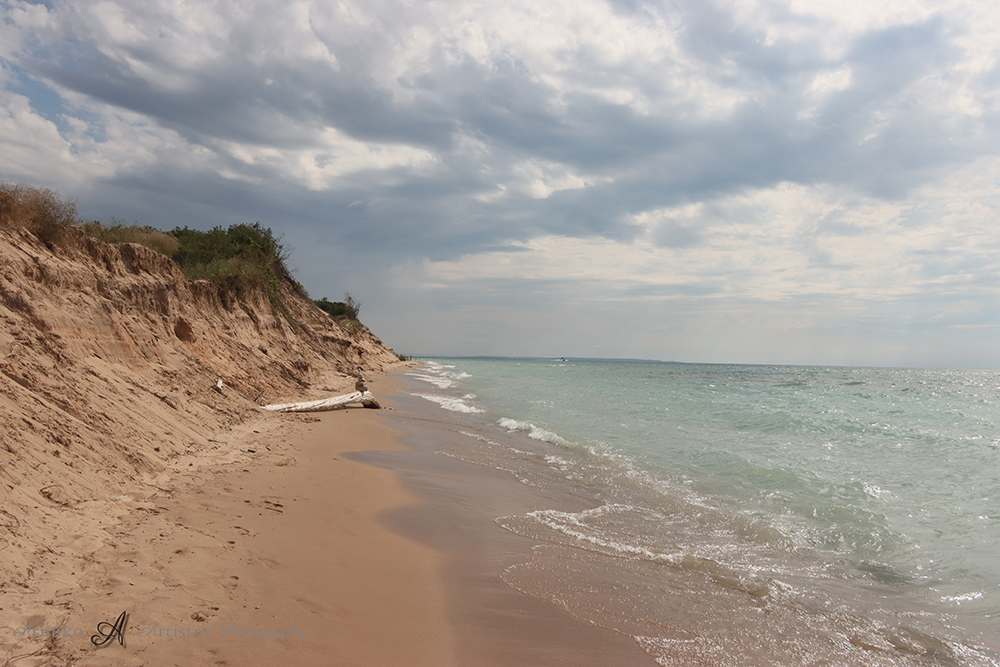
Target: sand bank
<point>275,558</point>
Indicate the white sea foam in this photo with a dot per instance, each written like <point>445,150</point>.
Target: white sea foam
<point>450,403</point>
<point>875,491</point>
<point>533,431</point>
<point>437,380</point>
<point>480,438</point>
<point>573,525</point>
<point>974,595</point>
<point>559,462</point>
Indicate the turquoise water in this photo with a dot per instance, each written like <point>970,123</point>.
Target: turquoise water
<point>750,514</point>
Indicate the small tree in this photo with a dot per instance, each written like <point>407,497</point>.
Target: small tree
<point>353,306</point>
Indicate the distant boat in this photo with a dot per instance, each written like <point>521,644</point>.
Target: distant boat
<point>562,358</point>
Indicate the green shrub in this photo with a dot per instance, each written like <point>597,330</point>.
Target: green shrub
<point>348,308</point>
<point>254,243</point>
<point>236,260</point>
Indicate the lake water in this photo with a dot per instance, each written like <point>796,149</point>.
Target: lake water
<point>750,515</point>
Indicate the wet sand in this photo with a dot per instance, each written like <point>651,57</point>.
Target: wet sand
<point>494,625</point>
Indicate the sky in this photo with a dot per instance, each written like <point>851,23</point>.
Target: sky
<point>772,181</point>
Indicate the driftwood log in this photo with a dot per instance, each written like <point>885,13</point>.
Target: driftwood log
<point>365,398</point>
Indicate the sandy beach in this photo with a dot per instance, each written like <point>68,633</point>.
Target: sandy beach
<point>336,538</point>
<point>277,558</point>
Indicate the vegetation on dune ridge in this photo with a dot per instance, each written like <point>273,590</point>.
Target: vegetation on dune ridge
<point>344,313</point>
<point>239,260</point>
<point>40,211</point>
<point>348,308</point>
<point>161,242</point>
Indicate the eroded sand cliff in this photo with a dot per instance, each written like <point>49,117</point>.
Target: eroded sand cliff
<point>109,359</point>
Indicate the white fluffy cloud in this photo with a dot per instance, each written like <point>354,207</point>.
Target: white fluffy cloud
<point>777,244</point>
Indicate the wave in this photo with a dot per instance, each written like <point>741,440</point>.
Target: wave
<point>438,381</point>
<point>533,431</point>
<point>451,403</point>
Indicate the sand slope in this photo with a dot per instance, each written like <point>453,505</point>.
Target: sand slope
<point>108,361</point>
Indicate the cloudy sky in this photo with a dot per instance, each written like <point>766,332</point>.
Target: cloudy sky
<point>761,181</point>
